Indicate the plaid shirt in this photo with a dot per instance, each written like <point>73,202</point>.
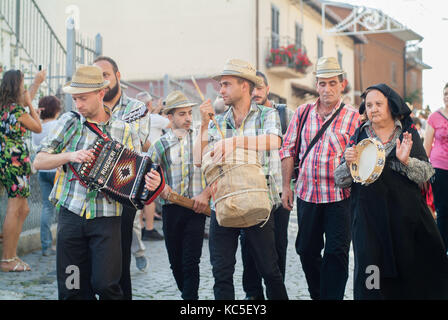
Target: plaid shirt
<point>260,120</point>
<point>275,165</point>
<point>69,135</point>
<point>315,183</point>
<point>176,158</point>
<point>126,105</point>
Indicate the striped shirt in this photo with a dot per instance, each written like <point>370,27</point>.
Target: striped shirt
<point>175,156</point>
<point>70,135</point>
<point>126,105</point>
<point>316,182</point>
<point>260,120</point>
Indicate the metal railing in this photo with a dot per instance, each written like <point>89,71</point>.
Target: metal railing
<point>40,45</point>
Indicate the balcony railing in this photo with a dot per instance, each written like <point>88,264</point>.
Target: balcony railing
<point>288,60</point>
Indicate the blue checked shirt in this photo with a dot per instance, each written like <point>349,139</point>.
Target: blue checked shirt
<point>70,135</point>
<point>175,156</point>
<point>260,120</point>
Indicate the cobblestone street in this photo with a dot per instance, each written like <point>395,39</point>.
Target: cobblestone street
<point>157,283</point>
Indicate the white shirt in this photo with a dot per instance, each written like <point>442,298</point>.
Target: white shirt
<point>157,124</point>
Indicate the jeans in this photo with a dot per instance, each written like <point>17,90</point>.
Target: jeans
<point>439,188</point>
<point>137,247</point>
<point>251,277</point>
<point>326,276</point>
<point>223,243</point>
<point>46,182</point>
<point>88,257</point>
<point>183,230</point>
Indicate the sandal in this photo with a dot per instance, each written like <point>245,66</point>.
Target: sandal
<point>19,267</point>
<point>23,262</point>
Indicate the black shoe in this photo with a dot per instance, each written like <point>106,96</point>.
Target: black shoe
<point>148,235</point>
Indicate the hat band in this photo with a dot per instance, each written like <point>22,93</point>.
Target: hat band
<point>177,104</point>
<point>233,72</point>
<point>328,71</point>
<point>86,85</point>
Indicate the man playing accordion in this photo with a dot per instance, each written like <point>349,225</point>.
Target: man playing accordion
<point>89,234</point>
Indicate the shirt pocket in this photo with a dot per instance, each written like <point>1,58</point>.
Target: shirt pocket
<point>337,142</point>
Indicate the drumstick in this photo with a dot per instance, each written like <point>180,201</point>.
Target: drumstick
<point>198,89</point>
<point>211,115</point>
<point>184,202</point>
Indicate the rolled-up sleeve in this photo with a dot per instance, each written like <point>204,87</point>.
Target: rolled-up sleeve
<point>289,140</point>
<point>60,135</point>
<point>272,124</point>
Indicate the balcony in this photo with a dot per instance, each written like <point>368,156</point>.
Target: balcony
<point>288,62</point>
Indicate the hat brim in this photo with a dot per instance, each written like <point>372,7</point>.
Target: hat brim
<point>75,90</point>
<point>185,105</point>
<point>256,80</point>
<point>328,75</point>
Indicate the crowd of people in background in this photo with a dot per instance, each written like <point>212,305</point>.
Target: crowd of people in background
<point>404,235</point>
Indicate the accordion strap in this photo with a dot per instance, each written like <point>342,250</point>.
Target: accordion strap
<point>94,128</point>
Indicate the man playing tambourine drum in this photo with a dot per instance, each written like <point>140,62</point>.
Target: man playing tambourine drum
<point>393,228</point>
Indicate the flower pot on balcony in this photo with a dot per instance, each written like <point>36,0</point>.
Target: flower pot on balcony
<point>286,72</point>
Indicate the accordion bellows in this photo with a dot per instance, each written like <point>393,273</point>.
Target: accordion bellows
<point>120,174</point>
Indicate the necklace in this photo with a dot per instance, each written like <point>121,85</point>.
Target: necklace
<point>373,134</point>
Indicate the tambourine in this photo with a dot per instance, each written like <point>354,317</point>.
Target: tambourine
<point>370,162</point>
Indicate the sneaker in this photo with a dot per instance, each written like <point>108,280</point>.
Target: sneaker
<point>48,252</point>
<point>142,263</point>
<point>148,235</point>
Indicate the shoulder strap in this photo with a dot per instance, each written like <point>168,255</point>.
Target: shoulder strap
<point>281,108</point>
<point>320,133</point>
<point>93,127</point>
<point>302,121</point>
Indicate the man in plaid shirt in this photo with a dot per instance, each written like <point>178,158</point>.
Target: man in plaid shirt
<point>89,226</point>
<point>183,228</point>
<point>121,106</point>
<point>251,126</point>
<point>322,208</point>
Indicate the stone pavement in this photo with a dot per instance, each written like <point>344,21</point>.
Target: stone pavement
<point>157,283</point>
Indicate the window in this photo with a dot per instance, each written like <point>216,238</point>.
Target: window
<point>275,13</point>
<point>393,69</point>
<point>320,47</point>
<point>299,31</point>
<point>340,55</point>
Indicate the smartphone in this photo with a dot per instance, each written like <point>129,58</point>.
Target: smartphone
<point>40,67</point>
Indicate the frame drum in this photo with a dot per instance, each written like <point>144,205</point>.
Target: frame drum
<point>370,162</point>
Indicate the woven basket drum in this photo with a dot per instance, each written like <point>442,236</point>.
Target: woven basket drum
<point>239,189</point>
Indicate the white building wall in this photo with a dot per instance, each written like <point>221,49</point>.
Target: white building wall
<point>151,38</point>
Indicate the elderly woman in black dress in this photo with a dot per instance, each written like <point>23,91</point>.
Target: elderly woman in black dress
<point>394,234</point>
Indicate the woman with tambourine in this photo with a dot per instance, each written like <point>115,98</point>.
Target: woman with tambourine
<point>399,253</point>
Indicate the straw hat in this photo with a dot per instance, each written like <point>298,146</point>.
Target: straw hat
<point>328,67</point>
<point>239,68</point>
<point>176,99</point>
<point>86,79</point>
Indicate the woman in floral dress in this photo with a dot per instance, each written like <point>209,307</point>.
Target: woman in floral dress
<point>15,165</point>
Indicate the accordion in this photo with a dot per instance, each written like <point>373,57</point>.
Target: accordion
<point>119,173</point>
